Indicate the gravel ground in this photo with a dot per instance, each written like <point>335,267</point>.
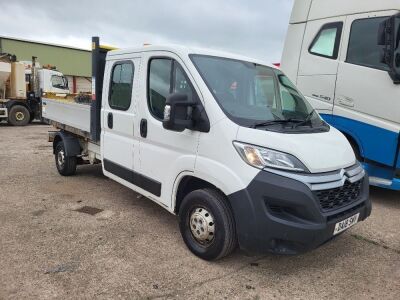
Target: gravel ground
<point>133,249</point>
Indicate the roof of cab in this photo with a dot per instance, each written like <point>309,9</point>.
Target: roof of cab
<point>184,51</point>
<point>306,10</point>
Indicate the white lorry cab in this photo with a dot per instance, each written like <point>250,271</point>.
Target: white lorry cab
<point>22,84</point>
<point>343,55</point>
<point>225,142</point>
<point>52,81</point>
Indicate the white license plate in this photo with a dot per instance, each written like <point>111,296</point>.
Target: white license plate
<point>346,224</point>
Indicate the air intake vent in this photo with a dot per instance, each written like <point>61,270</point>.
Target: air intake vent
<point>338,197</point>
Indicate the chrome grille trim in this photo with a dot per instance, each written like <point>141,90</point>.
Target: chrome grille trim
<point>325,181</point>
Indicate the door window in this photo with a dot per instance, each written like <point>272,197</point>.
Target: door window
<point>327,41</point>
<point>181,83</point>
<point>363,48</point>
<point>159,85</point>
<point>165,77</point>
<point>120,94</point>
<point>59,82</point>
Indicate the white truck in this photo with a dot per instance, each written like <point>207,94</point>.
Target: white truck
<point>225,142</point>
<point>21,87</point>
<point>343,55</point>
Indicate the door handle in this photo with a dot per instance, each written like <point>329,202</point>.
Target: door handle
<point>143,128</point>
<point>110,120</point>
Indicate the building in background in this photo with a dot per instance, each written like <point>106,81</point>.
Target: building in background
<point>74,63</point>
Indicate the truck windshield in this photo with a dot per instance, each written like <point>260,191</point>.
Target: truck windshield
<point>254,95</point>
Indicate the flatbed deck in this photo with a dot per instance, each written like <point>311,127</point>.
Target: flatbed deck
<point>67,115</point>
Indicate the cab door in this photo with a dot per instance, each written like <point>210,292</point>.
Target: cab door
<point>119,144</point>
<point>164,153</point>
<point>319,62</point>
<point>367,102</point>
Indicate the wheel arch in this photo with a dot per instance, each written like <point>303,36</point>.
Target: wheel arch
<point>188,183</point>
<point>213,174</point>
<point>12,103</point>
<point>355,142</point>
<point>346,130</point>
<point>71,143</point>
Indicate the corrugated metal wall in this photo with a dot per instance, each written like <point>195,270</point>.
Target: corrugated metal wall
<point>67,60</point>
<point>84,84</point>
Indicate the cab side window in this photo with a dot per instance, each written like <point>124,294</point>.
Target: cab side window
<point>159,85</point>
<point>327,41</point>
<point>166,77</point>
<point>181,83</point>
<point>363,48</point>
<point>120,94</point>
<point>59,82</point>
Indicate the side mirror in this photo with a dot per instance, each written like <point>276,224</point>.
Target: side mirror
<point>389,37</point>
<point>178,112</point>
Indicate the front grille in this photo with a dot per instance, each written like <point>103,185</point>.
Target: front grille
<point>338,197</point>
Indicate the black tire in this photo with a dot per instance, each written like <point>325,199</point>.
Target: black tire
<point>32,118</point>
<point>66,165</point>
<point>224,239</point>
<point>19,116</point>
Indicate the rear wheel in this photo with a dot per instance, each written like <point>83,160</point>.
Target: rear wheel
<point>66,165</point>
<point>19,115</point>
<point>207,225</point>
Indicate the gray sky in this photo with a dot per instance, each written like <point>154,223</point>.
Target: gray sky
<point>255,28</point>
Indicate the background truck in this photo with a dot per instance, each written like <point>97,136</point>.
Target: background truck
<point>225,142</point>
<point>21,87</point>
<point>344,57</point>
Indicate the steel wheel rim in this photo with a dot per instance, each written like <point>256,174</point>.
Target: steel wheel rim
<point>202,226</point>
<point>61,158</point>
<point>19,116</point>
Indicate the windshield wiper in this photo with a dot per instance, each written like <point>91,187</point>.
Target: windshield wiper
<point>306,120</point>
<point>278,121</point>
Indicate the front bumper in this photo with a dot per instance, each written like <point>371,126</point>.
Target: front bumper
<point>3,113</point>
<point>283,215</point>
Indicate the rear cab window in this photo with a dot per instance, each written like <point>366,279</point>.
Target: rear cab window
<point>327,41</point>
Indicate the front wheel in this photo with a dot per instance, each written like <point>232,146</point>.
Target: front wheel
<point>19,115</point>
<point>207,225</point>
<point>66,165</point>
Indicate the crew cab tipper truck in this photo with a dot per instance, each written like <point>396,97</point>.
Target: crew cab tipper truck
<point>343,55</point>
<point>225,142</point>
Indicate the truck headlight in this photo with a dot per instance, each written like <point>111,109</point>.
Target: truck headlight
<point>261,158</point>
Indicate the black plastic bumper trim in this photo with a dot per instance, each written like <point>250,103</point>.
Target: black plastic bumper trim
<point>299,225</point>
